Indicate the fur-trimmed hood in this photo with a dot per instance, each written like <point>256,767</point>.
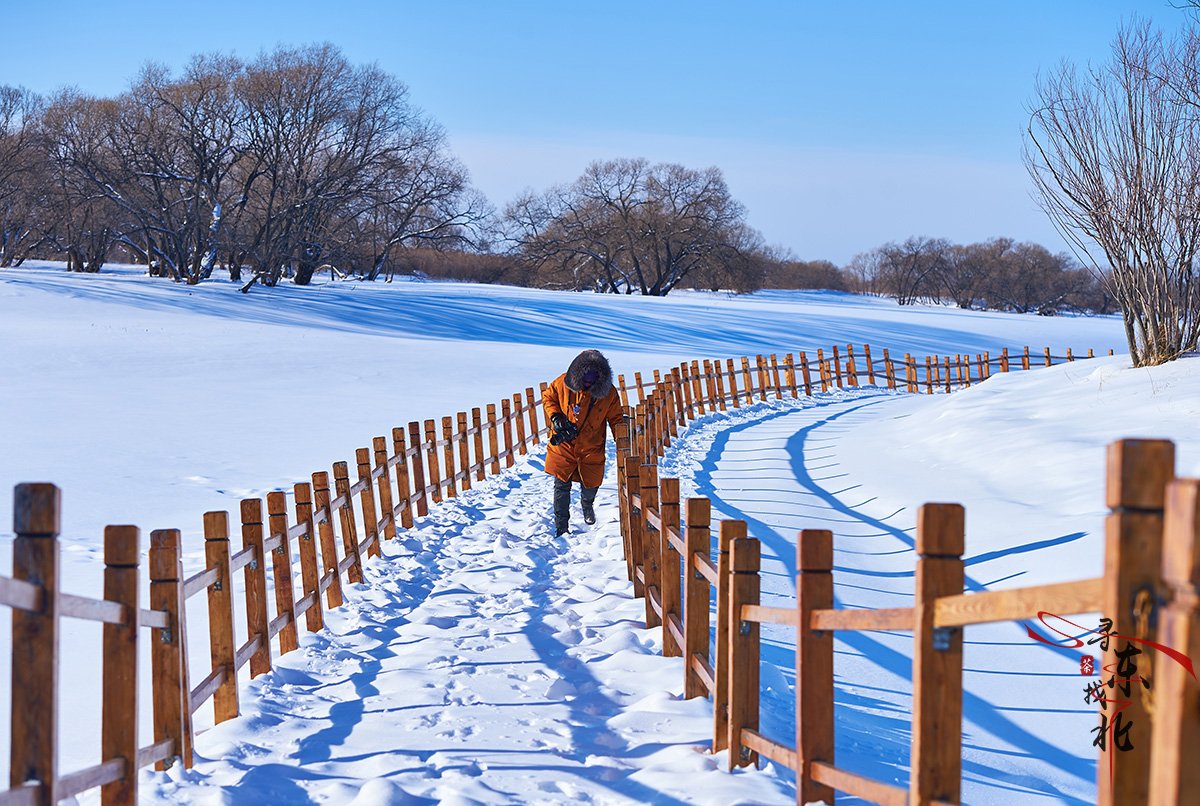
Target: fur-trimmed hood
<point>590,360</point>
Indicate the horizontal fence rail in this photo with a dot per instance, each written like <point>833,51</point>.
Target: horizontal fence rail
<point>334,522</point>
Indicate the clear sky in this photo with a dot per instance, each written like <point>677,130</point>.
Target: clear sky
<point>840,125</point>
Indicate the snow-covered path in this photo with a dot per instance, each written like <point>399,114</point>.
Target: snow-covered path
<point>484,662</point>
<point>1026,737</point>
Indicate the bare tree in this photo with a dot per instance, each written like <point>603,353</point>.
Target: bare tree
<point>1114,152</point>
<point>24,216</point>
<point>627,226</point>
<point>909,271</point>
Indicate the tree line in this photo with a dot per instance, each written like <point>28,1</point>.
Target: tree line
<point>298,162</point>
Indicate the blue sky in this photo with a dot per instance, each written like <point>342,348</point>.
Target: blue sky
<point>840,125</point>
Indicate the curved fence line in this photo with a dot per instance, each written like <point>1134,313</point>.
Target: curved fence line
<point>331,525</point>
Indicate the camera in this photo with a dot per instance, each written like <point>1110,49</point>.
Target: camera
<point>565,432</point>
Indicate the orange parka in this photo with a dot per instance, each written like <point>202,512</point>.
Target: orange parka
<point>581,459</point>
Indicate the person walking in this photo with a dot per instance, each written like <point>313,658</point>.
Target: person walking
<point>578,405</point>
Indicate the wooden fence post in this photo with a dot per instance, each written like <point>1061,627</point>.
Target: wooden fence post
<point>621,437</point>
<point>1048,362</point>
<point>807,377</point>
<point>367,499</point>
<point>685,379</point>
<point>743,649</point>
<point>651,562</point>
<point>624,392</point>
<point>946,364</point>
<point>1138,474</point>
<point>814,663</point>
<point>851,369</point>
<point>257,620</point>
<point>633,464</point>
<point>220,614</point>
<point>889,370</point>
<point>637,377</point>
<point>37,522</point>
<point>928,375</point>
<point>837,366</point>
<point>870,364</point>
<point>719,378</point>
<point>775,377</point>
<point>506,416</point>
<point>697,594</point>
<point>680,416</point>
<point>760,365</point>
<point>281,570</point>
<point>329,560</point>
<point>480,456</point>
<point>432,462</point>
<point>747,382</point>
<point>464,449</point>
<point>937,659</point>
<point>400,451</point>
<point>821,370</point>
<point>789,374</point>
<point>533,420</point>
<point>727,533</point>
<point>418,470</point>
<point>119,703</point>
<point>670,578</point>
<point>386,507</point>
<point>341,487</point>
<point>310,573</point>
<point>731,374</point>
<point>448,453</point>
<point>1025,359</point>
<point>168,654</point>
<point>1174,775</point>
<point>493,439</point>
<point>518,411</point>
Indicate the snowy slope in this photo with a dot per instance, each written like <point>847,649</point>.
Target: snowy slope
<point>151,403</point>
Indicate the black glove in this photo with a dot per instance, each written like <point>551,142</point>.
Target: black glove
<point>564,429</point>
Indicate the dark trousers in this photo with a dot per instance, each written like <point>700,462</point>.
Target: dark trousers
<point>562,501</point>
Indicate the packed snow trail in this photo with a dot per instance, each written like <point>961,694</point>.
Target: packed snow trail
<point>485,661</point>
<point>778,466</point>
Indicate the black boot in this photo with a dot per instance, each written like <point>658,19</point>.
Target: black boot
<point>587,496</point>
<point>562,506</point>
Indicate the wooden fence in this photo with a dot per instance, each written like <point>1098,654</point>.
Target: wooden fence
<point>1152,574</point>
<point>330,530</point>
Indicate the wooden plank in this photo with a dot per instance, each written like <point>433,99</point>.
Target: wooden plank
<point>198,582</point>
<point>493,440</point>
<point>27,794</point>
<point>870,364</point>
<point>1137,475</point>
<point>674,627</point>
<point>1062,599</point>
<point>705,567</point>
<point>731,376</point>
<point>20,594</point>
<point>726,534</point>
<point>937,659</point>
<point>621,437</point>
<point>776,751</point>
<point>370,512</point>
<point>769,615</point>
<point>670,577</point>
<point>531,407</point>
<point>278,624</point>
<point>789,374</point>
<point>168,650</point>
<point>350,547</point>
<point>747,383</point>
<point>152,754</point>
<point>329,560</point>
<point>256,580</point>
<point>518,415</point>
<point>154,618</point>
<point>744,655</point>
<point>107,774</point>
<point>119,700</point>
<point>37,519</point>
<point>888,618</point>
<point>81,607</point>
<point>248,650</point>
<point>384,485</point>
<point>281,571</point>
<point>775,377</point>
<point>814,664</point>
<point>1175,746</point>
<point>859,786</point>
<point>851,368</point>
<point>207,688</point>
<point>837,366</point>
<point>804,371</point>
<point>697,594</point>
<point>654,600</point>
<point>310,572</point>
<point>704,671</point>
